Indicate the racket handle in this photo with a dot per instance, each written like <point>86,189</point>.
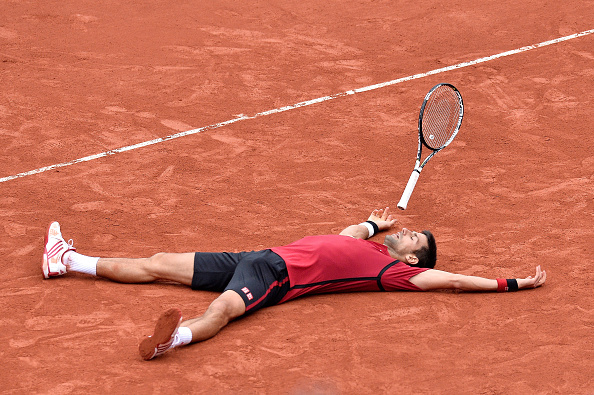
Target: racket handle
<point>412,181</point>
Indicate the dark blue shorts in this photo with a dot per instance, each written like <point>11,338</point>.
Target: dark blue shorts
<point>259,277</point>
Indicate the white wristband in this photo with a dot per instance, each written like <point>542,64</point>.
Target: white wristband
<point>369,228</point>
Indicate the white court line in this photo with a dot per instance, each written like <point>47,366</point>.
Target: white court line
<point>294,106</point>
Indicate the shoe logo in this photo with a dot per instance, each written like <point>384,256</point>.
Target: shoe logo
<point>55,248</point>
<point>54,251</point>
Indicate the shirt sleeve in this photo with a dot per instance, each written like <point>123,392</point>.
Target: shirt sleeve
<point>397,277</point>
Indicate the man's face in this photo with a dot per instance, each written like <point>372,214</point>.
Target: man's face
<point>405,242</point>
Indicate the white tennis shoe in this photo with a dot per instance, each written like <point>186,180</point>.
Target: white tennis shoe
<point>163,336</point>
<point>55,248</point>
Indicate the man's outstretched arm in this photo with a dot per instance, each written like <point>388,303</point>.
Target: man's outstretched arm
<point>381,218</point>
<point>437,279</point>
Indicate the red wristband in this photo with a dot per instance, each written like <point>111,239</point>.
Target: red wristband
<point>501,285</point>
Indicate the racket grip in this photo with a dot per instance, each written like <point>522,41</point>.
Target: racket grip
<point>412,181</point>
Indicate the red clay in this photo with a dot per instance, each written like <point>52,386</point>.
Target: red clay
<point>514,190</point>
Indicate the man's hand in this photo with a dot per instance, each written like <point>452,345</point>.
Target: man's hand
<point>437,279</point>
<point>382,218</point>
<point>533,282</point>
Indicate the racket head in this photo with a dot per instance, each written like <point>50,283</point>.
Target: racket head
<point>441,116</point>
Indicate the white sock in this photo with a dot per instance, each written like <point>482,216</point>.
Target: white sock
<point>183,336</point>
<point>80,263</point>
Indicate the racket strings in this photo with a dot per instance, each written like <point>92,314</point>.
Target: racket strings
<point>440,117</point>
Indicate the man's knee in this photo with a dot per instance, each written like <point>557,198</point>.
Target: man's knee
<point>157,264</point>
<point>159,258</point>
<point>172,266</point>
<point>228,306</point>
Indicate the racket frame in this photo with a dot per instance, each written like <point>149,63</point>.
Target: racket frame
<point>418,165</point>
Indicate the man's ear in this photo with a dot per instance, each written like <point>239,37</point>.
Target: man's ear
<point>411,259</point>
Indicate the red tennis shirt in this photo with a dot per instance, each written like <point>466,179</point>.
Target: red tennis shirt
<point>335,263</point>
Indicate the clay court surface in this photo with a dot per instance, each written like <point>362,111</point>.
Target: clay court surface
<point>513,191</point>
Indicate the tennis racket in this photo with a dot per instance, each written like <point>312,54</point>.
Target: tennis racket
<point>439,121</point>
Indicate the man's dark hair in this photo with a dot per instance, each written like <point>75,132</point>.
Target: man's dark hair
<point>427,255</point>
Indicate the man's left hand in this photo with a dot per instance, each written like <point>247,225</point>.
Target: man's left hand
<point>532,282</point>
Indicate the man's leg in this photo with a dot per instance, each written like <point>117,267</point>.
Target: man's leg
<point>169,333</point>
<point>261,276</point>
<point>162,266</point>
<point>60,257</point>
<point>228,306</point>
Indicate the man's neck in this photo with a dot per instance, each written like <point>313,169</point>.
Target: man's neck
<point>393,253</point>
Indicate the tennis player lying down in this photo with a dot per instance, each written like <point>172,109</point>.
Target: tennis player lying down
<point>251,280</point>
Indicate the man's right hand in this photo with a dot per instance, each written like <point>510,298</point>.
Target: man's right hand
<point>382,218</point>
